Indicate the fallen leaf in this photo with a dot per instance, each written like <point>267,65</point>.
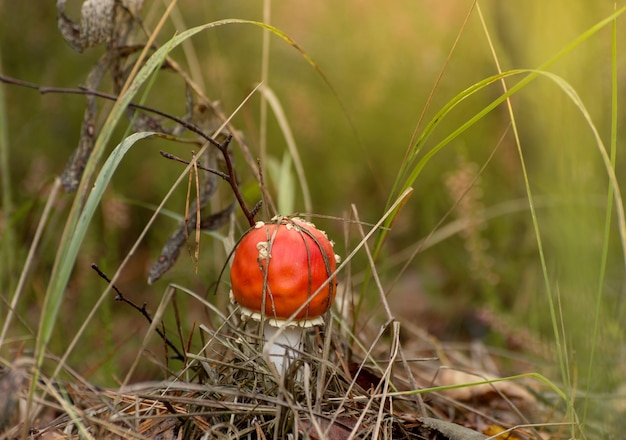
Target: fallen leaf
<point>451,431</point>
<point>451,377</point>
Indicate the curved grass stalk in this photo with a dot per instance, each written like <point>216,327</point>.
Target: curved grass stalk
<point>411,167</point>
<point>539,377</point>
<point>135,246</point>
<point>614,190</point>
<point>609,209</point>
<point>69,248</point>
<point>274,103</point>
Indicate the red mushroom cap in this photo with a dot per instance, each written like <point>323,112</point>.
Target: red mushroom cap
<point>294,258</point>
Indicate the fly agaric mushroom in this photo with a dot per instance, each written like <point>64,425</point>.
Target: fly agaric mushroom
<point>280,275</point>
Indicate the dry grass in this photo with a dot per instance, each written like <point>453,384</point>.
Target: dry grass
<point>348,387</point>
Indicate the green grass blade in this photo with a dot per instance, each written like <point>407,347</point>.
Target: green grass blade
<point>283,122</point>
<point>70,251</point>
<point>608,216</point>
<point>411,168</point>
<point>7,242</point>
<point>607,161</point>
<point>71,239</point>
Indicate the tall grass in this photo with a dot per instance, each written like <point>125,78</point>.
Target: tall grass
<point>8,243</point>
<point>568,292</point>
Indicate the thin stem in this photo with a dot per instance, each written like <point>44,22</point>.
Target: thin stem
<point>218,173</point>
<point>223,147</point>
<point>120,297</point>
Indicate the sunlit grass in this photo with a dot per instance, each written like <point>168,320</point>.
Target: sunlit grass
<point>572,229</point>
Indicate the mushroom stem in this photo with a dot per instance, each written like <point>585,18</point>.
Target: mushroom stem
<point>282,345</point>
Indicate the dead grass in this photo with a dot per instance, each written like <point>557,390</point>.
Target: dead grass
<point>353,388</point>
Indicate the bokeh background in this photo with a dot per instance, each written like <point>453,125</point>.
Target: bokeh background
<point>477,272</point>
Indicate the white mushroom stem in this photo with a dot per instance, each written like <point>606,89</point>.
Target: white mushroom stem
<point>282,338</point>
<point>282,345</point>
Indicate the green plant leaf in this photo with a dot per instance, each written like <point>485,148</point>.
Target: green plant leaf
<point>55,292</point>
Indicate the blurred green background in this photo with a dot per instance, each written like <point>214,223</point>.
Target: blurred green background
<point>382,60</point>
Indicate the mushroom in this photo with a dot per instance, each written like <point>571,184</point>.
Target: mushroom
<point>280,277</point>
